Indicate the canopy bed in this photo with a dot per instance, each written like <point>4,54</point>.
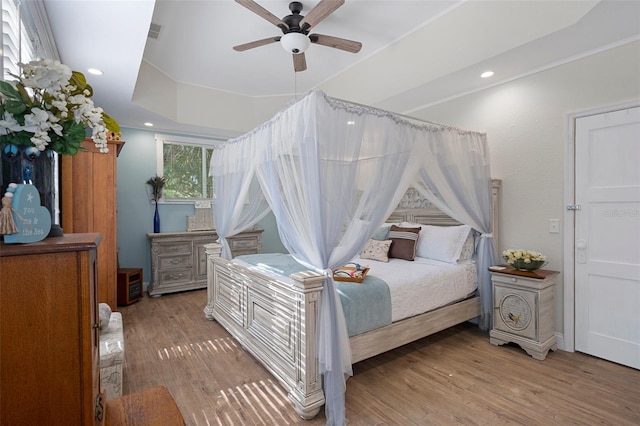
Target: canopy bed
<point>332,172</point>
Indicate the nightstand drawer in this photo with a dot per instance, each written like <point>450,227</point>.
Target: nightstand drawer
<point>511,280</point>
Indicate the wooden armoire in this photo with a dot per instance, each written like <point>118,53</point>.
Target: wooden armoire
<point>89,204</point>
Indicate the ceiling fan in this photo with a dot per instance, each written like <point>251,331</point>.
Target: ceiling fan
<point>295,29</point>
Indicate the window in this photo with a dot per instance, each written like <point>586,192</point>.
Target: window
<point>184,163</point>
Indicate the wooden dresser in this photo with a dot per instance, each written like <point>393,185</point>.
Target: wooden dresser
<point>49,363</point>
<point>88,204</point>
<point>179,261</point>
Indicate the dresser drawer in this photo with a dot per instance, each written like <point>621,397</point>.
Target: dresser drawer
<point>174,247</point>
<point>243,244</point>
<point>175,276</point>
<point>236,253</point>
<point>174,262</point>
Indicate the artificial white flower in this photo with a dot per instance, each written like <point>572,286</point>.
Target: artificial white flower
<point>9,123</point>
<point>52,95</point>
<point>45,74</point>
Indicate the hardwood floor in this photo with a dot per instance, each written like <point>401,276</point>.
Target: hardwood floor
<point>453,377</point>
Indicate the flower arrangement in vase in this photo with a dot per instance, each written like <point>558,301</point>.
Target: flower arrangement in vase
<point>45,111</point>
<point>525,260</point>
<point>49,107</point>
<point>156,183</point>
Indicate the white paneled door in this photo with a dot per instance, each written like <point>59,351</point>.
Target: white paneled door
<point>607,236</point>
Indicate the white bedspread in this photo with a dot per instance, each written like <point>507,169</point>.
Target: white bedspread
<point>415,287</point>
<point>423,285</point>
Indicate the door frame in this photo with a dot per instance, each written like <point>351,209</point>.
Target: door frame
<point>569,337</point>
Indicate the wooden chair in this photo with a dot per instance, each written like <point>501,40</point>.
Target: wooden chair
<point>150,407</point>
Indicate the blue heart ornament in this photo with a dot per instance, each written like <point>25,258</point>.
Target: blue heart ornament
<point>32,220</point>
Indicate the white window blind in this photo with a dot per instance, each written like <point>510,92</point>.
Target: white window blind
<point>16,43</point>
<point>26,35</point>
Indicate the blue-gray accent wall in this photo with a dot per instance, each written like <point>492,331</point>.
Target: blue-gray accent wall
<point>136,164</point>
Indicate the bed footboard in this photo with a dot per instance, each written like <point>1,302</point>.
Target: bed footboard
<point>274,321</point>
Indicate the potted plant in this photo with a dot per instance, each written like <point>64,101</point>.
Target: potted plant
<point>525,260</point>
<point>45,111</point>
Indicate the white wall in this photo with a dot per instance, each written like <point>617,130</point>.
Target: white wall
<point>526,125</point>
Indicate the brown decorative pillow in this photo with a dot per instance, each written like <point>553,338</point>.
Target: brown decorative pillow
<point>403,242</point>
<point>376,250</point>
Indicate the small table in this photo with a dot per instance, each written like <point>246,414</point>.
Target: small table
<point>523,309</point>
<point>129,285</point>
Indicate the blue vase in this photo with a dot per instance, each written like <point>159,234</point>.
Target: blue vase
<point>156,220</point>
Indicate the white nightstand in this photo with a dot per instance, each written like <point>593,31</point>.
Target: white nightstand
<point>523,310</point>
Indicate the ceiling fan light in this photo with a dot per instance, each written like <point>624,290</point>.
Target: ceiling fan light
<point>295,42</point>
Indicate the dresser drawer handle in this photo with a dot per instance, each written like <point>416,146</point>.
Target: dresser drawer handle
<point>515,280</point>
<point>175,276</point>
<point>176,261</point>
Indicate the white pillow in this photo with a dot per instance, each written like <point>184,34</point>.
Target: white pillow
<point>468,248</point>
<point>443,243</point>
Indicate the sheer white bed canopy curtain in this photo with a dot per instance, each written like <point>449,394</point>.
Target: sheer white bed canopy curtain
<point>332,172</point>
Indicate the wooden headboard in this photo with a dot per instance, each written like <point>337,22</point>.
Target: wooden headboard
<point>415,209</point>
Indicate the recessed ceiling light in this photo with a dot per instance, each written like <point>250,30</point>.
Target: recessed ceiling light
<point>148,124</point>
<point>351,122</point>
<point>486,74</point>
<point>94,71</point>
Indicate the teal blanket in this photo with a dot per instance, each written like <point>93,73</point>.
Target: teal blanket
<point>366,306</point>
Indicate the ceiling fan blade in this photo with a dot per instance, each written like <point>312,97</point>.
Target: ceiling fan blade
<point>257,43</point>
<point>319,12</point>
<point>336,42</point>
<point>261,11</point>
<point>299,62</point>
